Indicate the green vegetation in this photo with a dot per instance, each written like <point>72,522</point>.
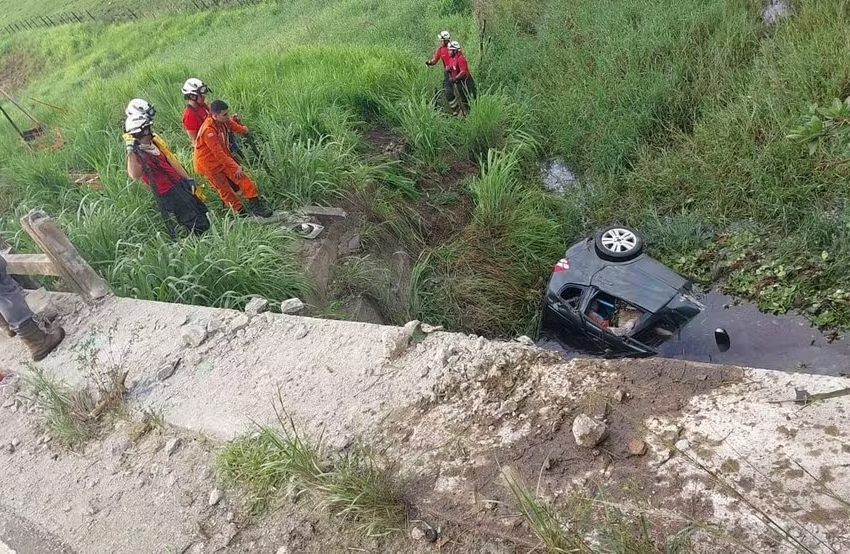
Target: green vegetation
<point>590,529</point>
<point>74,416</point>
<point>279,460</point>
<point>676,114</point>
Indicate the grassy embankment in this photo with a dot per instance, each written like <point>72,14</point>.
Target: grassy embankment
<point>676,115</point>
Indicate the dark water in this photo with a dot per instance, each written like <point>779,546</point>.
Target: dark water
<point>787,342</point>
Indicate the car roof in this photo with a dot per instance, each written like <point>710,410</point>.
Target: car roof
<point>643,282</point>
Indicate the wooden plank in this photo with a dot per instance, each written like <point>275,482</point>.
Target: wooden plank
<point>24,281</point>
<point>72,268</point>
<point>30,264</point>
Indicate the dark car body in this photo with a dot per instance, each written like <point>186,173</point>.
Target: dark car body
<point>660,298</point>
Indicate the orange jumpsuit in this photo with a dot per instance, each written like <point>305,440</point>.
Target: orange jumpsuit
<point>213,160</point>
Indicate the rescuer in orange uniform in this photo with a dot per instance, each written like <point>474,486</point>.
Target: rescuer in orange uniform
<point>213,160</point>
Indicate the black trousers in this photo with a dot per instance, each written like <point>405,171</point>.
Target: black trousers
<point>465,92</point>
<point>190,212</point>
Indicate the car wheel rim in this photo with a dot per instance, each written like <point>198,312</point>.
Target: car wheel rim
<point>619,241</point>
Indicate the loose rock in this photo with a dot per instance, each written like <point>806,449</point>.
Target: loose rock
<point>215,497</point>
<point>257,306</point>
<point>238,323</point>
<point>16,442</point>
<point>525,340</point>
<point>619,395</point>
<point>683,445</point>
<point>417,534</point>
<point>213,325</point>
<point>291,306</point>
<point>282,550</point>
<point>588,432</point>
<point>167,369</point>
<point>171,446</point>
<point>637,447</point>
<point>194,335</point>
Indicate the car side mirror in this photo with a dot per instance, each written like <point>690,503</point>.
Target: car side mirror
<point>722,339</point>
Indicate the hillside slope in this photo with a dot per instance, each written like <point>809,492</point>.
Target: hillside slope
<point>675,115</point>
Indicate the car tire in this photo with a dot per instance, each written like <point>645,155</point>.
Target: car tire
<point>618,243</point>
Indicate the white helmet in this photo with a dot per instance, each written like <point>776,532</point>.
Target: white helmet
<point>195,86</point>
<point>444,35</point>
<point>136,123</point>
<point>454,45</point>
<point>137,106</point>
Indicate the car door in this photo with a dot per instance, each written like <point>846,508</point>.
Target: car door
<point>563,318</point>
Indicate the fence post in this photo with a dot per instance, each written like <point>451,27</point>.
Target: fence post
<point>72,268</point>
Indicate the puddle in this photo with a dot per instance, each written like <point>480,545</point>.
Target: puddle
<point>557,177</point>
<point>759,340</point>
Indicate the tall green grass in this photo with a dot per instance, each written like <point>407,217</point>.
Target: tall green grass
<point>673,111</point>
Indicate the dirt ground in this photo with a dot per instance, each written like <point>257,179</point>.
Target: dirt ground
<point>687,443</point>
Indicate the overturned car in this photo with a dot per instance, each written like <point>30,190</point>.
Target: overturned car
<point>606,296</point>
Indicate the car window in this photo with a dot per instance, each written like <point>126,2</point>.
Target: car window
<point>614,314</point>
<point>571,296</point>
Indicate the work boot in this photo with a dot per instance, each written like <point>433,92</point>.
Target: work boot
<point>4,327</point>
<point>259,208</point>
<point>40,343</point>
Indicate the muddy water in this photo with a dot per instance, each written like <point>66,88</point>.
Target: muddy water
<point>787,343</point>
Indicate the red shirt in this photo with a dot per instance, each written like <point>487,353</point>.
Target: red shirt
<point>458,65</point>
<point>194,116</point>
<point>442,53</point>
<point>162,172</point>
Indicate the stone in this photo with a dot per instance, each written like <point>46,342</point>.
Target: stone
<point>238,323</point>
<point>588,432</point>
<point>637,447</point>
<point>186,499</point>
<point>300,332</point>
<point>619,395</point>
<point>354,244</point>
<point>229,516</point>
<point>282,550</point>
<point>16,442</point>
<point>167,369</point>
<point>525,340</point>
<point>213,325</point>
<point>321,211</point>
<point>193,335</point>
<point>215,497</point>
<point>412,329</point>
<point>291,306</point>
<point>10,448</point>
<point>171,446</point>
<point>417,534</point>
<point>682,445</point>
<point>507,407</point>
<point>257,306</point>
<point>427,329</point>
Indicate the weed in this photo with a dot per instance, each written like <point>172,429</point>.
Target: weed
<point>277,460</point>
<point>75,416</point>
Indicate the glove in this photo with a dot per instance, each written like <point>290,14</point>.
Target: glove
<point>130,143</point>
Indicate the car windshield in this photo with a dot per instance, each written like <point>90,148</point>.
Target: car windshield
<point>614,314</point>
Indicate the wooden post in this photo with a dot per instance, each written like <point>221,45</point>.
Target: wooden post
<point>70,266</point>
<point>23,280</point>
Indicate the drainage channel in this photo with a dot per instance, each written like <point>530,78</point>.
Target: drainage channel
<point>759,340</point>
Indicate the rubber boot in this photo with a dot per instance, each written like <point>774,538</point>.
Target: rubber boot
<point>259,208</point>
<point>4,327</point>
<point>40,343</point>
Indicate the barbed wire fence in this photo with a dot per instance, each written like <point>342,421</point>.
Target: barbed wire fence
<point>115,14</point>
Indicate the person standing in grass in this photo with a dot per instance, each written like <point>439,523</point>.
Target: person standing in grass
<point>150,161</point>
<point>214,160</point>
<point>461,79</point>
<point>16,319</point>
<point>196,110</point>
<point>442,54</point>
